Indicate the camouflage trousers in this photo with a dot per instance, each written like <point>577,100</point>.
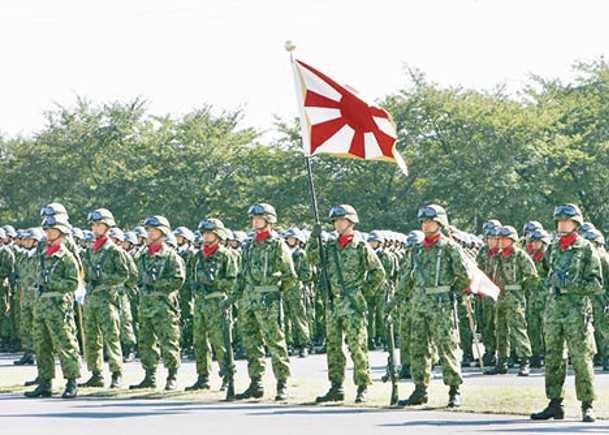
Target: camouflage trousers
<point>405,327</point>
<point>102,329</point>
<point>26,320</point>
<point>433,323</point>
<point>259,325</point>
<point>55,333</point>
<point>296,324</point>
<point>186,318</point>
<point>159,334</point>
<point>511,324</point>
<point>578,338</point>
<point>208,334</point>
<point>487,324</point>
<point>465,332</point>
<point>5,315</point>
<point>535,325</point>
<point>601,324</point>
<point>353,326</point>
<point>127,332</point>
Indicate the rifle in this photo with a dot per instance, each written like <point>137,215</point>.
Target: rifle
<point>229,361</point>
<point>391,366</point>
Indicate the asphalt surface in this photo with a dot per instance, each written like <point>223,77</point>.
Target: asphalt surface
<point>99,415</point>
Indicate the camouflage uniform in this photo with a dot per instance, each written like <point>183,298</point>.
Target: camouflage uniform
<point>106,271</point>
<point>54,327</point>
<point>516,275</point>
<point>188,254</point>
<point>214,278</point>
<point>7,268</point>
<point>160,276</point>
<point>267,271</point>
<point>27,282</point>
<point>355,273</point>
<point>296,321</point>
<point>127,294</point>
<point>536,306</point>
<point>487,309</point>
<point>568,318</point>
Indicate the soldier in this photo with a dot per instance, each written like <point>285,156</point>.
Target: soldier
<point>437,274</point>
<point>575,275</point>
<point>487,305</point>
<point>7,269</point>
<point>354,273</point>
<point>126,293</point>
<point>131,247</point>
<point>54,328</point>
<point>376,319</point>
<point>185,238</point>
<point>600,301</point>
<point>105,272</point>
<point>27,282</point>
<point>267,271</point>
<point>540,242</point>
<point>401,298</point>
<point>160,275</point>
<point>215,271</point>
<point>296,299</point>
<point>515,274</point>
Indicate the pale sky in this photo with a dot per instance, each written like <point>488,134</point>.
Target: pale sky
<point>182,54</point>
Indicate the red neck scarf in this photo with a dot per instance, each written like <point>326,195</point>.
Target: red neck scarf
<point>567,241</point>
<point>153,249</point>
<point>530,248</point>
<point>99,243</point>
<point>507,252</point>
<point>539,255</point>
<point>345,240</point>
<point>262,236</point>
<point>492,252</point>
<point>429,241</point>
<point>208,251</point>
<point>52,249</point>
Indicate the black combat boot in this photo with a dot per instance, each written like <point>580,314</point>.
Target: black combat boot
<point>282,391</point>
<point>336,393</point>
<point>588,413</point>
<point>489,359</point>
<point>525,367</point>
<point>149,381</point>
<point>43,389</point>
<point>500,369</point>
<point>26,360</point>
<point>418,397</point>
<point>404,372</point>
<point>606,364</point>
<point>70,392</point>
<point>95,381</point>
<point>554,410</point>
<point>254,391</point>
<point>454,397</point>
<point>466,361</point>
<point>117,380</point>
<point>536,362</point>
<point>362,394</point>
<point>30,383</point>
<point>128,354</point>
<point>171,384</point>
<point>201,384</point>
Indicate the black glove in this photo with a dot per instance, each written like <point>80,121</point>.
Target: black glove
<point>316,231</point>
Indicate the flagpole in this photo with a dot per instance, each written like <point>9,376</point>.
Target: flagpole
<point>325,283</point>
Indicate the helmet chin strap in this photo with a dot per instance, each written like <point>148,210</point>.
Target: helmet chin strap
<point>153,242</point>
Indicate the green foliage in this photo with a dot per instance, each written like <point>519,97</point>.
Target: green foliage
<point>482,154</point>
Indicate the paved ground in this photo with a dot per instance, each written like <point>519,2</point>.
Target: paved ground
<point>139,415</point>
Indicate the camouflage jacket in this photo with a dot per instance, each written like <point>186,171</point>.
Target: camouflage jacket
<point>162,272</point>
<point>483,259</point>
<point>442,265</point>
<point>26,271</point>
<point>575,274</point>
<point>106,269</point>
<point>57,274</point>
<point>389,261</point>
<point>303,268</point>
<point>7,263</point>
<point>266,264</point>
<point>514,272</point>
<point>354,272</point>
<point>188,254</point>
<point>216,274</point>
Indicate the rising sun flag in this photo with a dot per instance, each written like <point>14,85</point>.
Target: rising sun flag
<point>336,120</point>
